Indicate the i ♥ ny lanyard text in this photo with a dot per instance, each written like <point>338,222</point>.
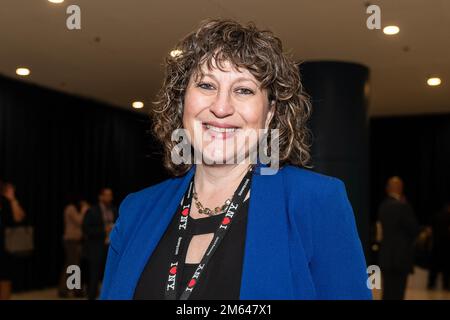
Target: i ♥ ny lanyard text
<point>175,266</point>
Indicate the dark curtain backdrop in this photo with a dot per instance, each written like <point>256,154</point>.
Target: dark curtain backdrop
<point>52,144</point>
<point>416,148</point>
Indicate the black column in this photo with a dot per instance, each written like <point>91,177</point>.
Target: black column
<point>339,125</point>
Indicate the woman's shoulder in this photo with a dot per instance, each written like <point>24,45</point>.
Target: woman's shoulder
<point>134,204</point>
<point>318,195</point>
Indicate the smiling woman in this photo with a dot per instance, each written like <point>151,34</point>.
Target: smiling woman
<point>246,69</point>
<point>222,104</point>
<point>224,229</point>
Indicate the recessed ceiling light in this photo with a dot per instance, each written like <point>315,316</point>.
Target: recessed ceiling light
<point>137,104</point>
<point>390,30</point>
<point>434,81</point>
<point>22,71</point>
<point>175,53</point>
<point>56,1</point>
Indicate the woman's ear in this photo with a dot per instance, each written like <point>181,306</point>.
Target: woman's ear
<point>270,114</point>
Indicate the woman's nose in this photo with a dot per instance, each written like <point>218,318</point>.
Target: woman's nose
<point>222,105</point>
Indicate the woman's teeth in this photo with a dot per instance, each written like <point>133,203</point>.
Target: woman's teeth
<point>216,129</point>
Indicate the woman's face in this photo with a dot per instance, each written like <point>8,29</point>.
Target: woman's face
<point>221,109</point>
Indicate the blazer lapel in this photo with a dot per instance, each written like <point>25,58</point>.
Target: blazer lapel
<point>157,216</point>
<point>266,271</point>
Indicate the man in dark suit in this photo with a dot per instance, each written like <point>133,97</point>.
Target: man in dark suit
<point>399,230</point>
<point>97,225</point>
<point>440,254</point>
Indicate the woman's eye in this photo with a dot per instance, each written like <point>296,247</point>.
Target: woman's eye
<point>244,91</point>
<point>205,85</point>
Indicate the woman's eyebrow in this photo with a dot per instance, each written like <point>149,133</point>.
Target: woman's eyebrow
<point>246,79</point>
<point>208,75</point>
<point>239,79</point>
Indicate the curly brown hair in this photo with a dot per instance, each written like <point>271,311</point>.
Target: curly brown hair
<point>258,51</point>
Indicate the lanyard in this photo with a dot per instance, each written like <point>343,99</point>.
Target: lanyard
<point>175,267</point>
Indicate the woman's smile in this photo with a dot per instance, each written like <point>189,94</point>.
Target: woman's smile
<point>217,130</point>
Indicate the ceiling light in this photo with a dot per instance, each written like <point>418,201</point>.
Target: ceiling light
<point>138,104</point>
<point>434,81</point>
<point>390,30</point>
<point>56,1</point>
<point>22,71</point>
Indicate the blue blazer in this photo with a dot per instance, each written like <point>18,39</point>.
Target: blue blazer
<point>301,240</point>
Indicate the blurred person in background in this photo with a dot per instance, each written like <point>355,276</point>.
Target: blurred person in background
<point>74,213</point>
<point>399,229</point>
<point>97,225</point>
<point>440,252</point>
<point>11,212</point>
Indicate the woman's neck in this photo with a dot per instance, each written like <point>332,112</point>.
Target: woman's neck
<point>219,178</point>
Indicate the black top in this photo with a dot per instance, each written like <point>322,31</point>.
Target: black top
<point>221,279</point>
<point>6,220</point>
<point>400,229</point>
<point>94,225</point>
